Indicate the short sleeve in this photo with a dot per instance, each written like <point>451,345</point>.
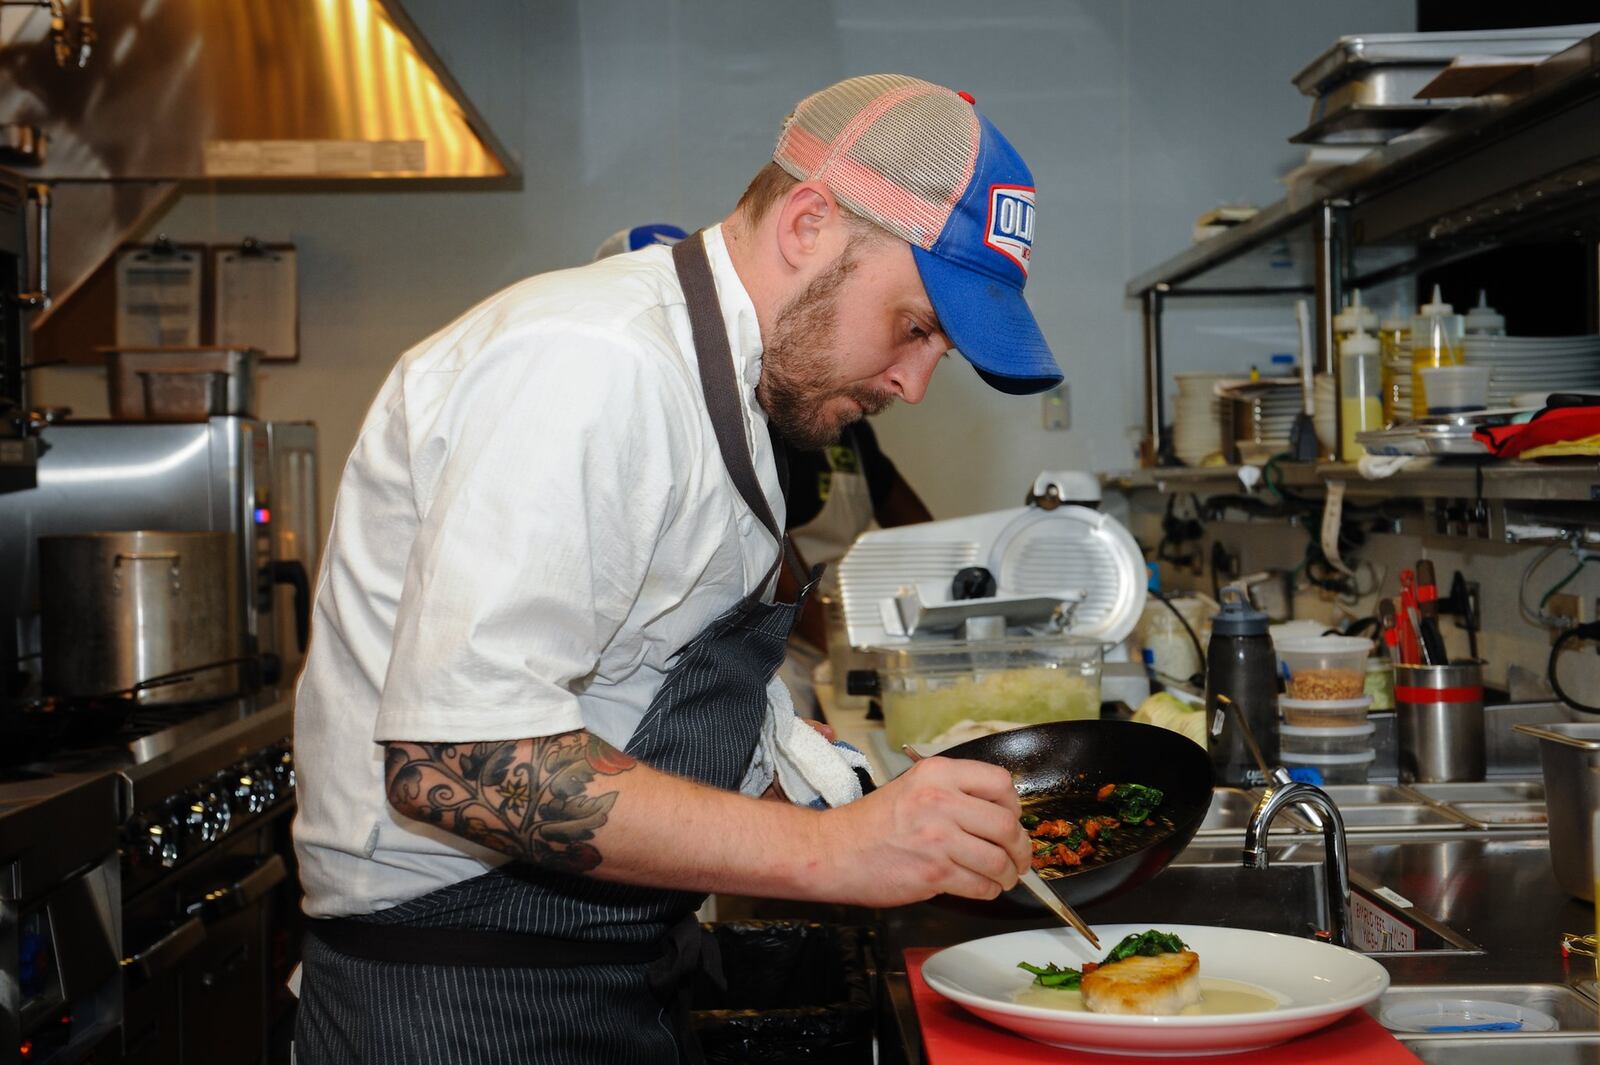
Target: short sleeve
<point>554,478</point>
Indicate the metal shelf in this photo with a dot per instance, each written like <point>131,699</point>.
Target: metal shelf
<point>1523,164</point>
<point>1577,482</point>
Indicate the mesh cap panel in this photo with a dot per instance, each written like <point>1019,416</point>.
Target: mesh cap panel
<point>895,149</point>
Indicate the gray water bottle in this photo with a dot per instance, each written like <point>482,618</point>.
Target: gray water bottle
<point>1240,664</point>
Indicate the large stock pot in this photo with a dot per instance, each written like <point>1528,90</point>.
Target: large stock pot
<point>121,608</point>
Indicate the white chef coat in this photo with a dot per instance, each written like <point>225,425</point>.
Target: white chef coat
<point>535,517</point>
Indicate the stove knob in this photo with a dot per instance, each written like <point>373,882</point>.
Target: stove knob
<point>266,785</point>
<point>282,762</point>
<point>219,805</point>
<point>171,831</point>
<point>245,790</point>
<point>199,825</point>
<point>151,844</point>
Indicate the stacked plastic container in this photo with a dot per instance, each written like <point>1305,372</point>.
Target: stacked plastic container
<point>1324,707</point>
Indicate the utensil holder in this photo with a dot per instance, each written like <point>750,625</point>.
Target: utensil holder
<point>1440,712</point>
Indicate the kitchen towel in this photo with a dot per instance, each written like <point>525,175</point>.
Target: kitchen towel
<point>952,1036</point>
<point>811,770</point>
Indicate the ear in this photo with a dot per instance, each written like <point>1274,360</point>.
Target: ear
<point>806,217</point>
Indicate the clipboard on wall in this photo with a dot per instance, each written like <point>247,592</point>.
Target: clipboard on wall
<point>256,302</point>
<point>159,288</point>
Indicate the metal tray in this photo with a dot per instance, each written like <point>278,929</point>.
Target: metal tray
<point>1352,53</point>
<point>1367,123</point>
<point>1396,817</point>
<point>1482,791</point>
<point>1389,84</point>
<point>1572,1011</point>
<point>1230,812</point>
<point>1367,794</point>
<point>1510,815</point>
<point>1560,1049</point>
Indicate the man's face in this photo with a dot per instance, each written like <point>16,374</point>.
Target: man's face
<point>861,335</point>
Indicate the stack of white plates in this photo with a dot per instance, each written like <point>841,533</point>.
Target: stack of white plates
<point>1272,417</point>
<point>1197,420</point>
<point>1325,412</point>
<point>1535,364</point>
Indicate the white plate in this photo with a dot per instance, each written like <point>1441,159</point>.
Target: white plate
<point>1315,984</point>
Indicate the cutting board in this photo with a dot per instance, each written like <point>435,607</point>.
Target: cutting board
<point>952,1036</point>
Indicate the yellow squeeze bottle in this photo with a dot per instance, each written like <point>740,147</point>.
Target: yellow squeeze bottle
<point>1360,392</point>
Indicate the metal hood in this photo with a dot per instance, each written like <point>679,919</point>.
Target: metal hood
<point>176,91</point>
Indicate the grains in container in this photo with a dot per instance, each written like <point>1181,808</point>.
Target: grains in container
<point>1327,684</point>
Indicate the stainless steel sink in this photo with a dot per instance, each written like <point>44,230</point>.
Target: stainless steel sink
<point>1287,897</point>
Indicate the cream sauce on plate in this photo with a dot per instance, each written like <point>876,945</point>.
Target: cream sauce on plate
<point>1217,997</point>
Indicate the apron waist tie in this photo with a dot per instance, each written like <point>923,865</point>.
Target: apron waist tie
<point>687,949</point>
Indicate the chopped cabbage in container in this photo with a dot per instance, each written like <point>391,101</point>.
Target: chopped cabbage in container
<point>918,709</point>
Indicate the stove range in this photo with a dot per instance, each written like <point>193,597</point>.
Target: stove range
<point>193,804</point>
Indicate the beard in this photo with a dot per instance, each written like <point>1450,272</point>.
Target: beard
<point>797,389</point>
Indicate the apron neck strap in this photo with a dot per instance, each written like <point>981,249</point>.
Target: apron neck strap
<point>721,387</point>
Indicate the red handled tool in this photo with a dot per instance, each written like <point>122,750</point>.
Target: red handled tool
<point>1410,621</point>
<point>1433,649</point>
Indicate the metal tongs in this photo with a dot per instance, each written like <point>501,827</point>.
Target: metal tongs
<point>1036,885</point>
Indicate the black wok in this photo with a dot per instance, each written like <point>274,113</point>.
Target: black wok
<point>1046,760</point>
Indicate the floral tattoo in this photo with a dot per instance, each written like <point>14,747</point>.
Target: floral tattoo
<point>526,798</point>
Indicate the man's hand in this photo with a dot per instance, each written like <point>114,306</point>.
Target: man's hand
<point>946,825</point>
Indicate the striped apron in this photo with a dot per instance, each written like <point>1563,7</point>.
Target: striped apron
<point>529,966</point>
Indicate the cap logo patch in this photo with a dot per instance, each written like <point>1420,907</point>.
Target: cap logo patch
<point>1010,227</point>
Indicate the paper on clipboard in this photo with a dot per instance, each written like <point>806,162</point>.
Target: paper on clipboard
<point>256,300</point>
<point>158,297</point>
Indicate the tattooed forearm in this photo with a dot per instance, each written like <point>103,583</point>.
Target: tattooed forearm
<point>530,799</point>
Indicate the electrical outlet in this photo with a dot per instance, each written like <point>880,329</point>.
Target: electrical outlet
<point>1565,605</point>
<point>1057,410</point>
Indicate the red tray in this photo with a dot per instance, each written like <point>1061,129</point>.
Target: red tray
<point>952,1036</point>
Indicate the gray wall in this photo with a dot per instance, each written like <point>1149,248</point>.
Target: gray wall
<point>1135,116</point>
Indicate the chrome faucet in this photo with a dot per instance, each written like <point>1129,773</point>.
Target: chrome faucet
<point>1283,793</point>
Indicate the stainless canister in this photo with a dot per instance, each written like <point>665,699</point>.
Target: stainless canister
<point>1570,754</point>
<point>1440,714</point>
<point>121,608</point>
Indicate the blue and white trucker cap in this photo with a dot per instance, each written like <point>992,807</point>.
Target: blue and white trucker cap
<point>920,161</point>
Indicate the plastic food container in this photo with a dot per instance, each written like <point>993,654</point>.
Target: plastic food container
<point>1452,389</point>
<point>930,686</point>
<point>1465,1015</point>
<point>1325,713</point>
<point>1380,683</point>
<point>1296,741</point>
<point>1325,668</point>
<point>1335,768</point>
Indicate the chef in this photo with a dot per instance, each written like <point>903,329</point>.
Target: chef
<point>538,713</point>
<point>835,494</point>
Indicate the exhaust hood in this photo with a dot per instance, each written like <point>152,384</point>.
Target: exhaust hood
<point>177,90</point>
<point>181,91</point>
